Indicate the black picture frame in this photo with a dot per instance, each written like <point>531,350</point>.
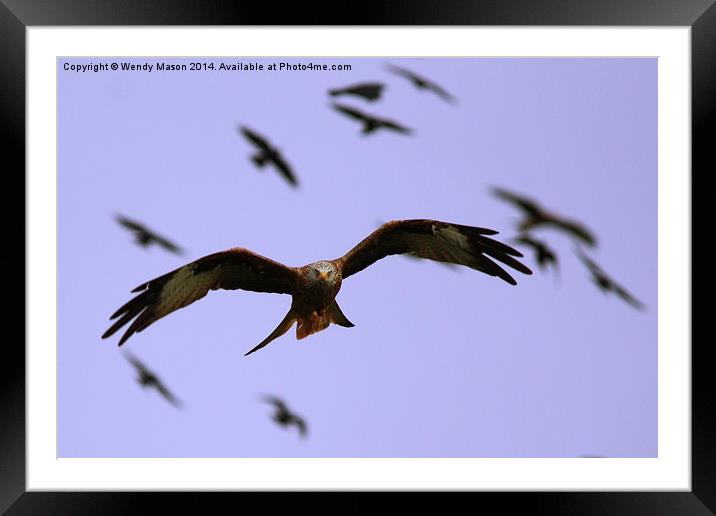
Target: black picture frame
<point>17,15</point>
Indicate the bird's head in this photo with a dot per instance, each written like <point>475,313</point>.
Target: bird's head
<point>322,272</point>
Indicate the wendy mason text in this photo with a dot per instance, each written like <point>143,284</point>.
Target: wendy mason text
<point>205,66</point>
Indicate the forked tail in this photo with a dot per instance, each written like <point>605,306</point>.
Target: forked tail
<point>337,316</point>
<point>282,328</point>
<point>307,325</point>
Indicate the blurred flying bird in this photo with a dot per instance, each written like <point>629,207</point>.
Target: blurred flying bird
<point>370,91</point>
<point>144,236</point>
<point>605,283</point>
<point>421,82</point>
<point>371,123</point>
<point>543,254</point>
<point>147,378</point>
<point>268,154</point>
<point>313,287</point>
<point>535,215</point>
<point>284,417</point>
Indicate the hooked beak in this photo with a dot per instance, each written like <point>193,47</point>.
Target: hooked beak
<point>323,275</point>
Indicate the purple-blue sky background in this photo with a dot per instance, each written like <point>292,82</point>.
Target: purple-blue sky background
<point>441,363</point>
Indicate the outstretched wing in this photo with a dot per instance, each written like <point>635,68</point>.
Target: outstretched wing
<point>368,90</point>
<point>395,126</point>
<point>255,138</point>
<point>529,241</point>
<point>434,240</point>
<point>588,262</point>
<point>441,92</point>
<point>576,229</point>
<point>540,216</point>
<point>130,224</point>
<point>285,170</point>
<point>278,403</point>
<point>351,112</point>
<point>543,254</point>
<point>167,244</point>
<point>138,365</point>
<point>232,269</point>
<point>598,273</point>
<point>627,297</point>
<point>157,383</point>
<point>422,82</point>
<point>167,394</point>
<point>403,72</point>
<point>527,205</point>
<point>148,235</point>
<point>301,424</point>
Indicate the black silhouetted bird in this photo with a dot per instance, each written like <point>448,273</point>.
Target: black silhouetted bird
<point>535,215</point>
<point>371,123</point>
<point>544,255</point>
<point>147,378</point>
<point>421,82</point>
<point>284,417</point>
<point>267,153</point>
<point>605,283</point>
<point>144,236</point>
<point>370,91</point>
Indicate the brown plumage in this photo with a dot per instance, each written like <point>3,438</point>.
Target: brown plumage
<point>417,258</point>
<point>313,287</point>
<point>535,215</point>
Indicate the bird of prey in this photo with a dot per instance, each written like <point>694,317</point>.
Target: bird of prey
<point>147,378</point>
<point>535,215</point>
<point>284,417</point>
<point>544,255</point>
<point>145,236</point>
<point>313,287</point>
<point>421,82</point>
<point>268,154</point>
<point>371,123</point>
<point>370,91</point>
<point>606,284</point>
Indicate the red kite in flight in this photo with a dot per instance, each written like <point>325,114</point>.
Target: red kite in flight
<point>313,287</point>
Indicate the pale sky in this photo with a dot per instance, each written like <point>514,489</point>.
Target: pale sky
<point>441,363</point>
